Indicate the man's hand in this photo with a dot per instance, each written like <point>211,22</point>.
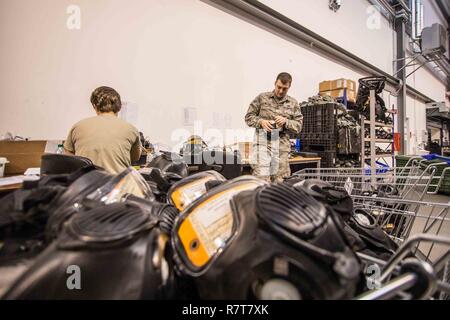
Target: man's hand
<point>266,125</point>
<point>280,121</point>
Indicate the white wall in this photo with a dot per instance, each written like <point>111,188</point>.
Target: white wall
<point>351,27</point>
<point>165,55</point>
<point>416,124</point>
<point>161,55</point>
<point>423,80</point>
<point>432,14</point>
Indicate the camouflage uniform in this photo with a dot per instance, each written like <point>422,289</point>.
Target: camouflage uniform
<point>270,153</point>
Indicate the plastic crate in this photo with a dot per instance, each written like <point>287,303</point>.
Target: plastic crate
<point>319,147</point>
<point>326,137</point>
<point>328,159</point>
<point>401,161</point>
<point>445,186</point>
<point>320,132</point>
<point>320,118</point>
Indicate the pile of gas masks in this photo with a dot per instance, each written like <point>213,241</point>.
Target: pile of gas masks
<point>207,238</point>
<point>349,134</point>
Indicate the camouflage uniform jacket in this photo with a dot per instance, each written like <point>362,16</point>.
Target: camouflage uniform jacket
<point>267,106</point>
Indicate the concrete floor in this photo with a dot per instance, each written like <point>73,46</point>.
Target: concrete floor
<point>11,273</point>
<point>437,198</point>
<point>441,217</point>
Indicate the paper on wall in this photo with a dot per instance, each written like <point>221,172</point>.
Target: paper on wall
<point>130,113</point>
<point>218,120</point>
<point>228,121</point>
<point>189,116</point>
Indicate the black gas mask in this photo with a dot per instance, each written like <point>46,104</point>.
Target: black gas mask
<point>249,240</point>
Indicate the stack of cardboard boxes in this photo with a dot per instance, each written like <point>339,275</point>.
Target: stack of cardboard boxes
<point>337,88</point>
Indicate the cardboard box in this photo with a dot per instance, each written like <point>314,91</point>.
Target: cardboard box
<point>337,85</point>
<point>343,84</point>
<point>351,95</point>
<point>22,155</point>
<point>325,86</point>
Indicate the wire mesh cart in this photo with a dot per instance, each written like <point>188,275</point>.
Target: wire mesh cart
<point>393,200</point>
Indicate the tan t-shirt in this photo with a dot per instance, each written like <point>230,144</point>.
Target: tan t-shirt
<point>105,139</point>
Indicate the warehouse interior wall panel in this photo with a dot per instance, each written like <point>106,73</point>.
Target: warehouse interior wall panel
<point>432,14</point>
<point>426,82</point>
<point>357,26</point>
<point>416,125</point>
<point>423,80</point>
<point>352,27</point>
<point>201,58</point>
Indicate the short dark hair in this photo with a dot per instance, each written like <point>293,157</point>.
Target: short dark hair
<point>106,99</point>
<point>285,78</point>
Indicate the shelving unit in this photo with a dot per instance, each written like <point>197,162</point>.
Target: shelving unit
<point>378,140</point>
<point>380,124</point>
<point>372,140</point>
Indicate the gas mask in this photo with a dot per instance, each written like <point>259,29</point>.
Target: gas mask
<point>249,240</point>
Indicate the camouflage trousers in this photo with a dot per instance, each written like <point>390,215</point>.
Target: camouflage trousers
<point>270,164</point>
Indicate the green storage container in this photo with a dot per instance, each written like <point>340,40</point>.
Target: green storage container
<point>401,161</point>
